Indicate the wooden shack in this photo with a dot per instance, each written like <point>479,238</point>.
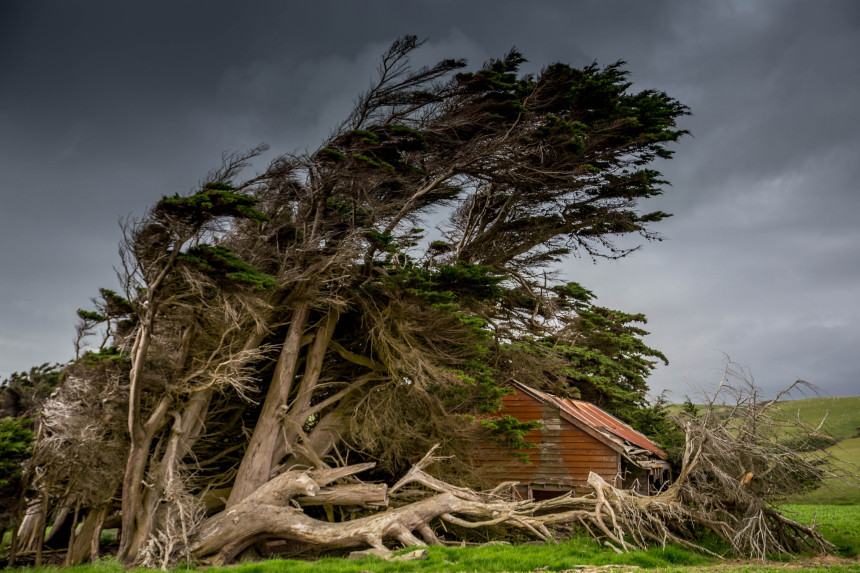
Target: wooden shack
<point>576,438</point>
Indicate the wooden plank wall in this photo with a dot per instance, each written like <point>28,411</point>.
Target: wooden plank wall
<point>563,454</point>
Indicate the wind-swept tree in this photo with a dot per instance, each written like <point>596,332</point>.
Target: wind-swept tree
<point>273,330</point>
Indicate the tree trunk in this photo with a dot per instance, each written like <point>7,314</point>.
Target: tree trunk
<point>356,495</point>
<point>256,466</point>
<point>222,539</point>
<point>40,531</point>
<point>134,519</point>
<point>86,545</point>
<point>299,411</point>
<point>186,429</point>
<point>72,535</point>
<point>184,433</point>
<point>28,531</point>
<point>60,529</point>
<point>140,433</point>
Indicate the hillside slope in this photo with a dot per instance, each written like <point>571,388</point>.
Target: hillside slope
<point>841,420</point>
<point>841,415</point>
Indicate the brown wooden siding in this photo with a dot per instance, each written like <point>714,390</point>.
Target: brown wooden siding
<point>563,454</point>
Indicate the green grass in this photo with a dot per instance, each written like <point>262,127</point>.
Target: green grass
<point>568,555</point>
<point>841,418</point>
<point>838,491</point>
<point>840,524</point>
<point>841,415</point>
<point>572,555</point>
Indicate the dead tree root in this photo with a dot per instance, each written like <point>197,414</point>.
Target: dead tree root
<point>620,519</point>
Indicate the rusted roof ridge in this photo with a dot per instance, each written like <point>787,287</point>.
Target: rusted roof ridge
<point>596,422</point>
<point>619,428</point>
<point>590,417</point>
<point>551,400</point>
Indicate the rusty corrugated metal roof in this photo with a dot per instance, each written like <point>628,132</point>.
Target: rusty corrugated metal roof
<point>592,416</point>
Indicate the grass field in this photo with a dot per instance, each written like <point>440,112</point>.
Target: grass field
<point>839,492</point>
<point>580,555</point>
<point>573,554</point>
<point>840,524</point>
<point>841,419</point>
<point>841,415</point>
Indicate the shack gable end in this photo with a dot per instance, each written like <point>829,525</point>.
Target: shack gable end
<point>562,456</point>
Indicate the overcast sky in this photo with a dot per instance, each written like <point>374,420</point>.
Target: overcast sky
<point>107,106</point>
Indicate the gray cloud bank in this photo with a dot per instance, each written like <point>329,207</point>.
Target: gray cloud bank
<point>106,106</point>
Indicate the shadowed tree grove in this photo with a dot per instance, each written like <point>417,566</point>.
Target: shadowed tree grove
<point>275,335</point>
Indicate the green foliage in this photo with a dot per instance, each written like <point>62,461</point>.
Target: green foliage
<point>366,160</point>
<point>510,433</point>
<point>382,241</point>
<point>478,282</point>
<point>689,408</point>
<point>655,421</point>
<point>342,208</point>
<point>332,154</point>
<point>23,393</point>
<point>216,199</point>
<point>91,316</point>
<point>114,304</point>
<point>105,356</point>
<point>15,447</point>
<point>221,262</point>
<point>609,362</point>
<point>461,283</point>
<point>575,291</point>
<point>606,362</point>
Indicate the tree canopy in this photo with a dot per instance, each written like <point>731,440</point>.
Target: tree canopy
<point>304,318</point>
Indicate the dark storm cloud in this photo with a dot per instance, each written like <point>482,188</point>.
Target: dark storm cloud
<point>106,106</point>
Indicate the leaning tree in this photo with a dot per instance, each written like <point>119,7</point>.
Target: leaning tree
<point>278,334</point>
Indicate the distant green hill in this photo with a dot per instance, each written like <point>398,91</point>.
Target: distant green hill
<point>841,419</point>
<point>841,415</point>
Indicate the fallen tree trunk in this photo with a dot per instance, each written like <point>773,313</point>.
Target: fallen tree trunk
<point>268,513</point>
<point>356,495</point>
<point>223,539</point>
<point>623,520</point>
